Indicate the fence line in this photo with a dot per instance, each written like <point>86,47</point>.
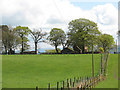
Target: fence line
<point>80,82</point>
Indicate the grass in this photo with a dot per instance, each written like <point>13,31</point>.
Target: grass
<point>29,71</point>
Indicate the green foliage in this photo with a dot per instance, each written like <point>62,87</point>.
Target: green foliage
<point>23,32</point>
<point>106,41</point>
<point>82,32</point>
<point>10,39</point>
<point>101,49</point>
<point>56,37</point>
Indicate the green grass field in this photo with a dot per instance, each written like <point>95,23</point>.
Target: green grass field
<point>29,71</point>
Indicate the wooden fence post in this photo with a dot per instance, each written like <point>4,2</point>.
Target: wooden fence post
<point>73,84</point>
<point>36,87</point>
<point>49,86</point>
<point>85,84</point>
<point>70,81</point>
<point>68,85</point>
<point>57,85</point>
<point>97,79</point>
<point>61,88</point>
<point>63,85</point>
<point>90,82</point>
<point>81,87</point>
<point>80,79</point>
<point>74,79</point>
<point>67,81</point>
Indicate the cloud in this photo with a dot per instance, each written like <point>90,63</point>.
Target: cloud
<point>48,14</point>
<point>54,20</point>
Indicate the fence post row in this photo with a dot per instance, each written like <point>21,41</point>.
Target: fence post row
<point>87,83</point>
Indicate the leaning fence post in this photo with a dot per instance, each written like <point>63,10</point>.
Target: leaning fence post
<point>61,88</point>
<point>90,82</point>
<point>73,84</point>
<point>63,84</point>
<point>97,79</point>
<point>67,85</point>
<point>74,79</point>
<point>85,84</point>
<point>67,81</point>
<point>49,86</point>
<point>80,79</point>
<point>36,87</point>
<point>70,81</point>
<point>81,86</point>
<point>57,85</point>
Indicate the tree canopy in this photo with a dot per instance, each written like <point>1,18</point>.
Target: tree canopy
<point>38,36</point>
<point>106,41</point>
<point>23,32</point>
<point>57,37</point>
<point>81,33</point>
<point>10,40</point>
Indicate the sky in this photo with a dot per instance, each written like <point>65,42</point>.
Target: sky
<point>48,14</point>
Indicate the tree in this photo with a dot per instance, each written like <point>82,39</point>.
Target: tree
<point>82,32</point>
<point>5,30</point>
<point>23,33</point>
<point>106,41</point>
<point>57,37</point>
<point>38,36</point>
<point>10,40</point>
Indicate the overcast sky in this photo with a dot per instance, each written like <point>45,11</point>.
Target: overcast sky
<point>47,14</point>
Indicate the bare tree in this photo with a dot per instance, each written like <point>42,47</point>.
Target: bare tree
<point>38,36</point>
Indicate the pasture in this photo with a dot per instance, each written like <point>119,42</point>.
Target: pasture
<point>29,71</point>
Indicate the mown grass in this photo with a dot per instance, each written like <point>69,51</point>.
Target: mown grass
<point>29,71</point>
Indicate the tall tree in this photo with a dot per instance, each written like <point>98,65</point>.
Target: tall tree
<point>56,37</point>
<point>23,33</point>
<point>38,36</point>
<point>81,33</point>
<point>5,38</point>
<point>106,41</point>
<point>10,40</point>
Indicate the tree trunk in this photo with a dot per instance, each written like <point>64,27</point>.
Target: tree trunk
<point>56,48</point>
<point>83,49</point>
<point>83,46</point>
<point>10,51</point>
<point>35,47</point>
<point>22,46</point>
<point>5,49</point>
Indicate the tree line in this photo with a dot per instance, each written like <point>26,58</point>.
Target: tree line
<point>81,33</point>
